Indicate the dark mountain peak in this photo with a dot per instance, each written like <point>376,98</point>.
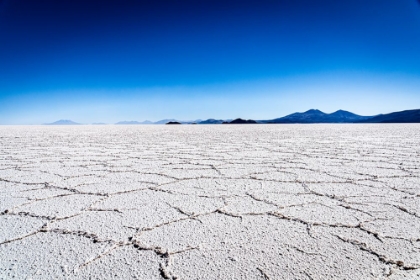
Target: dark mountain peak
<point>242,121</point>
<point>342,116</point>
<point>314,112</point>
<point>312,115</point>
<point>342,113</point>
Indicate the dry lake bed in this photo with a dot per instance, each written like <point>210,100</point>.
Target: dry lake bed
<point>210,202</point>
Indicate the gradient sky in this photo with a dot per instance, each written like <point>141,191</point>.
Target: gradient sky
<point>108,61</point>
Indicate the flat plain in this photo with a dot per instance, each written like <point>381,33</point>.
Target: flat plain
<point>210,202</point>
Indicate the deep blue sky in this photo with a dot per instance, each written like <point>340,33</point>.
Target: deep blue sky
<point>107,61</point>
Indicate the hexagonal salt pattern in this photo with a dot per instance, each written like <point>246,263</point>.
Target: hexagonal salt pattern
<point>210,202</point>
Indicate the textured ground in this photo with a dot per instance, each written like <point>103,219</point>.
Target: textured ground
<point>210,202</point>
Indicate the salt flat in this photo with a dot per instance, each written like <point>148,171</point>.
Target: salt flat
<point>210,202</point>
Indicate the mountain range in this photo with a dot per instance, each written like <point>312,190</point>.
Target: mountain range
<point>408,116</point>
<point>310,116</point>
<point>317,116</point>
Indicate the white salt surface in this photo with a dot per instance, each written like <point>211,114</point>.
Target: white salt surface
<point>210,202</point>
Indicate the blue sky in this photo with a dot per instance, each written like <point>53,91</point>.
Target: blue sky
<point>107,61</point>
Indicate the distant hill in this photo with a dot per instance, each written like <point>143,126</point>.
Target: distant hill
<point>408,116</point>
<point>211,121</point>
<point>215,121</point>
<point>242,121</point>
<point>345,116</point>
<point>190,122</point>
<point>63,122</point>
<point>312,115</point>
<point>173,123</point>
<point>134,122</point>
<point>165,121</point>
<point>194,121</point>
<point>317,116</point>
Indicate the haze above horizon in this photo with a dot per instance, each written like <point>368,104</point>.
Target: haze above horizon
<point>109,61</point>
